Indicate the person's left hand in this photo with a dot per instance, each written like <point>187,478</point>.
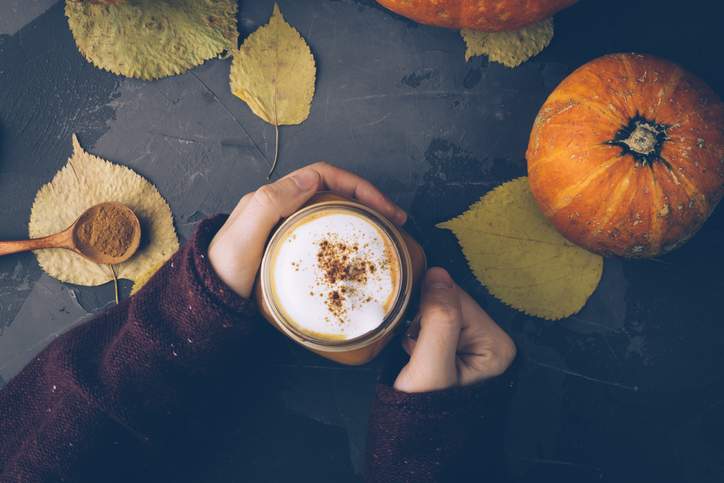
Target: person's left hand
<point>453,342</point>
<point>237,249</point>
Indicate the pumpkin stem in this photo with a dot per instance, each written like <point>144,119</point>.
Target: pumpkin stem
<point>642,139</point>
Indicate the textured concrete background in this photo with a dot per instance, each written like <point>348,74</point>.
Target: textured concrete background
<point>630,389</point>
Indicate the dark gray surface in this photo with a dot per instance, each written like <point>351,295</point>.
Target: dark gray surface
<point>630,389</point>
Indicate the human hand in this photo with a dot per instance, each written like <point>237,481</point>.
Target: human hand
<point>235,252</point>
<point>458,344</point>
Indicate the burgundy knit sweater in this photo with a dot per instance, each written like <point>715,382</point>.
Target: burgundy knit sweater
<point>117,399</point>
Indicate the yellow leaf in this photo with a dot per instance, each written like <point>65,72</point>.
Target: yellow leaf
<point>510,48</point>
<point>273,72</point>
<point>521,258</point>
<point>149,39</point>
<point>86,181</point>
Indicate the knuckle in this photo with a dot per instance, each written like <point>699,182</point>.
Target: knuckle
<point>503,356</point>
<point>508,351</point>
<point>266,196</point>
<point>441,313</point>
<point>241,205</point>
<point>321,164</point>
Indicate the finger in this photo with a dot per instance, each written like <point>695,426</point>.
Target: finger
<point>352,186</point>
<point>477,323</point>
<point>270,203</point>
<point>411,334</point>
<point>246,234</point>
<point>440,323</point>
<point>239,208</point>
<point>482,337</point>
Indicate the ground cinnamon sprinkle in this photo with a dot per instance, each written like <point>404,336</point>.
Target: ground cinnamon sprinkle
<point>109,230</point>
<point>341,263</point>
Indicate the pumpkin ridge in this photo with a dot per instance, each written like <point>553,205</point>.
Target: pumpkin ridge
<point>583,123</point>
<point>682,130</point>
<point>626,90</point>
<point>656,223</point>
<point>630,74</point>
<point>629,209</point>
<point>691,193</point>
<point>668,90</point>
<point>693,199</point>
<point>582,100</point>
<point>637,83</point>
<point>572,191</point>
<point>604,213</point>
<point>603,110</point>
<point>587,94</point>
<point>683,181</point>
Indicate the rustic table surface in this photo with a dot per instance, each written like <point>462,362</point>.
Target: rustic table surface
<point>629,390</point>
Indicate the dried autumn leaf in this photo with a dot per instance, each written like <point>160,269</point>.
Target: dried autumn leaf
<point>274,72</point>
<point>521,258</point>
<point>510,48</point>
<point>86,181</point>
<point>149,39</point>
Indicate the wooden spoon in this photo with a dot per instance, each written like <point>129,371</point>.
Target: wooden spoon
<point>68,239</point>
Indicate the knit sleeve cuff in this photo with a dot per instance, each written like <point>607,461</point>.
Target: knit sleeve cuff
<point>436,402</point>
<point>458,398</point>
<point>215,288</point>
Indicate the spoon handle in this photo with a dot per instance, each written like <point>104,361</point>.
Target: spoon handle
<point>58,240</point>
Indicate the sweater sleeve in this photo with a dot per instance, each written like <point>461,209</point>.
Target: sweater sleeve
<point>102,401</point>
<point>440,436</point>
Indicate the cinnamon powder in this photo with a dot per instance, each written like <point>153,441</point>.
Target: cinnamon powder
<point>342,267</point>
<point>109,230</point>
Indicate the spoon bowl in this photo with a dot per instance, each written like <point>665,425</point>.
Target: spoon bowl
<point>92,253</point>
<point>69,238</point>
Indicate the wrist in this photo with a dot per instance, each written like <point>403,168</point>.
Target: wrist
<point>426,379</point>
<point>216,290</point>
<point>221,258</point>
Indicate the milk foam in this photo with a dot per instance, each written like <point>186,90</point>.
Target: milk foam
<point>304,287</point>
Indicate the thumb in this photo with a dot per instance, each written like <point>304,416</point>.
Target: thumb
<point>274,201</point>
<point>240,242</point>
<point>432,363</point>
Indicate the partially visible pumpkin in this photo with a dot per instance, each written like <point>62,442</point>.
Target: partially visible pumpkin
<point>626,155</point>
<point>486,15</point>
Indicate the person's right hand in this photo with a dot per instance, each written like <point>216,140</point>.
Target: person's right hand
<point>453,342</point>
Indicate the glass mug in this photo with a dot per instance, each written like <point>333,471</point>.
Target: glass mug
<point>361,349</point>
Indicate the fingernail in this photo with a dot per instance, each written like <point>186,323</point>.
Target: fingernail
<point>306,179</point>
<point>401,215</point>
<point>438,278</point>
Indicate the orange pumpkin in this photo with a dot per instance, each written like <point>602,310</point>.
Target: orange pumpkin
<point>486,15</point>
<point>626,155</point>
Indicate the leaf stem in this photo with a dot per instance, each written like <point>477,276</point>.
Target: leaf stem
<point>276,136</point>
<point>115,282</point>
<point>276,151</point>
